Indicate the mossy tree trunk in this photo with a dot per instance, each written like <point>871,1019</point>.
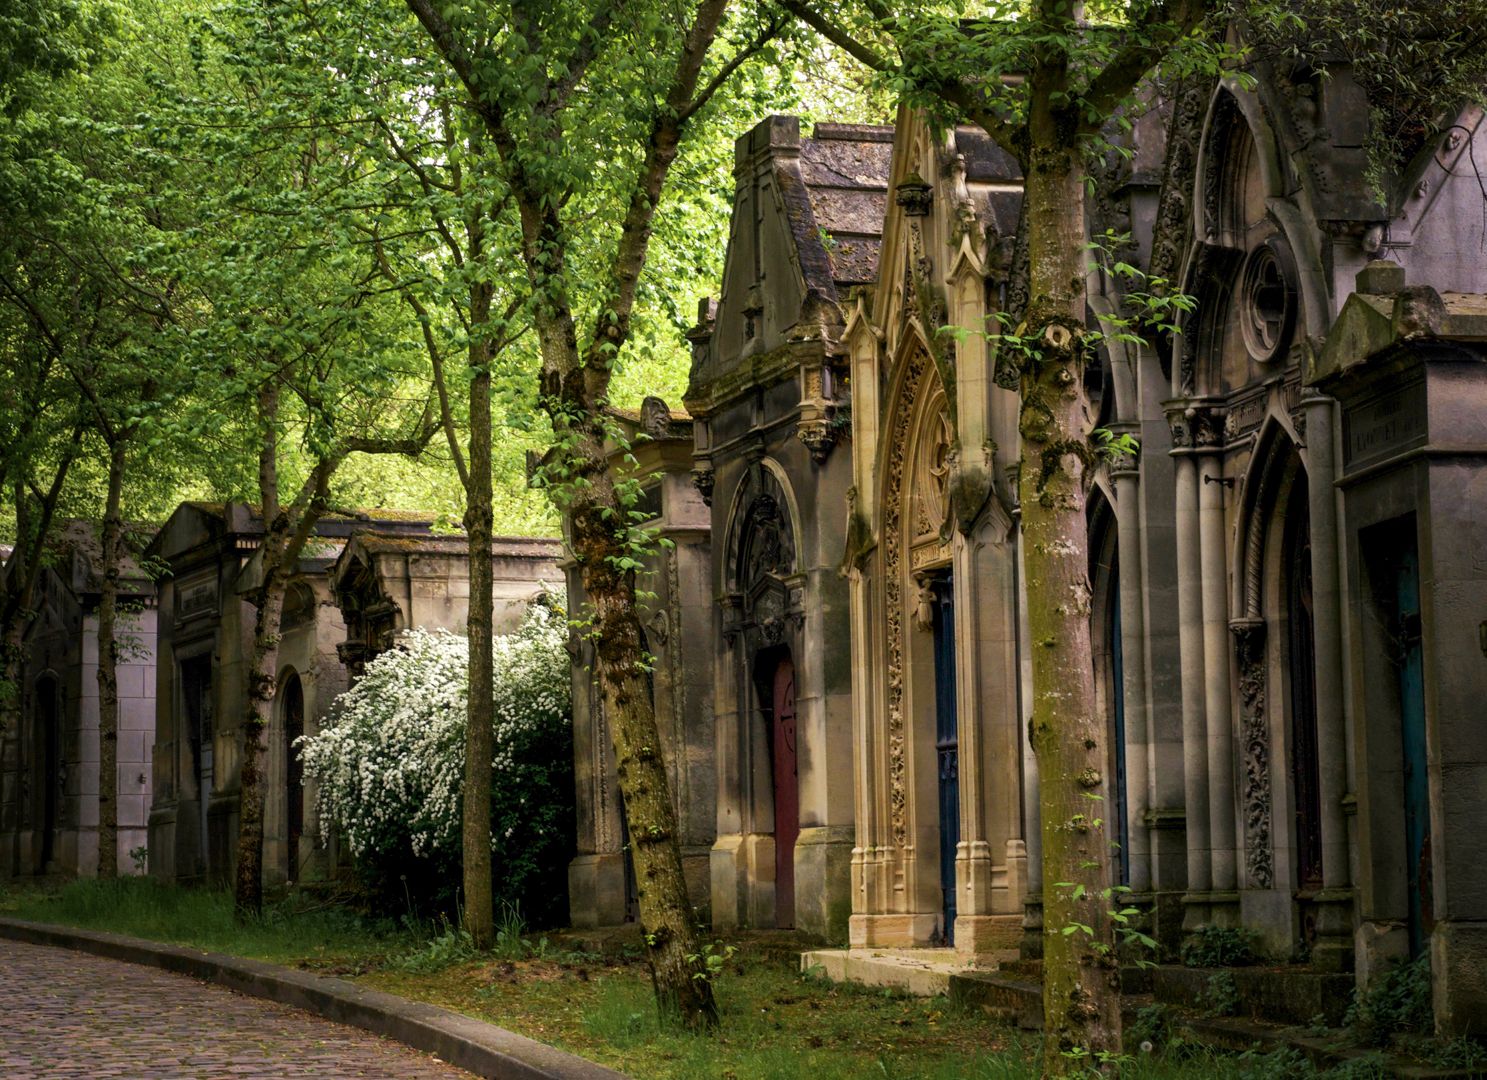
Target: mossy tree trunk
<point>108,664</point>
<point>476,821</point>
<point>1081,981</point>
<point>525,115</point>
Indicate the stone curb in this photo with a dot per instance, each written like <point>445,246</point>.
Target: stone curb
<point>470,1044</point>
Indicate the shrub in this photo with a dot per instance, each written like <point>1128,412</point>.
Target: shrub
<point>1218,946</point>
<point>390,766</point>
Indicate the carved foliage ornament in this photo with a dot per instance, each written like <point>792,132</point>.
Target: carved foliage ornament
<point>1249,641</point>
<point>896,604</point>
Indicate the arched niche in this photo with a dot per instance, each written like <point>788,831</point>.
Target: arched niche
<point>1243,269</point>
<point>761,565</point>
<point>1279,768</point>
<point>1109,664</point>
<point>291,709</point>
<point>48,770</point>
<point>920,712</point>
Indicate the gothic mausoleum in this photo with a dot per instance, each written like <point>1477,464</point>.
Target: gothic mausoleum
<point>1288,574</point>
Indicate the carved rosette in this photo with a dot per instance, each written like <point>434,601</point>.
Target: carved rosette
<point>1249,643</point>
<point>896,604</point>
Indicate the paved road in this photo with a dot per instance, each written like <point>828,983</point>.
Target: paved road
<point>65,1014</point>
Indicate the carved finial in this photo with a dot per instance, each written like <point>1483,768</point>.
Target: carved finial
<point>914,194</point>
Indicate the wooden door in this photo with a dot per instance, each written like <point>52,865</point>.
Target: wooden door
<point>947,746</point>
<point>786,791</point>
<point>294,772</point>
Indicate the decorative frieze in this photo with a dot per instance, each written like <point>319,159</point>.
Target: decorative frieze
<point>900,429</point>
<point>1249,642</point>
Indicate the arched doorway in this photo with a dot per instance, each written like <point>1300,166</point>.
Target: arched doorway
<point>1109,662</point>
<point>49,740</point>
<point>785,773</point>
<point>294,772</point>
<point>947,742</point>
<point>196,706</point>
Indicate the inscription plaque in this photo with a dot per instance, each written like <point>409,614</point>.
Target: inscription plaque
<point>1380,427</point>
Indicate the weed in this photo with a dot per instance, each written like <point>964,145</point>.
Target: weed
<point>1219,946</point>
<point>449,946</point>
<point>1221,998</point>
<point>1461,1052</point>
<point>1396,1002</point>
<point>1155,1026</point>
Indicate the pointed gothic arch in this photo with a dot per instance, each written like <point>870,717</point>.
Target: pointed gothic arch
<point>1273,639</point>
<point>1109,664</point>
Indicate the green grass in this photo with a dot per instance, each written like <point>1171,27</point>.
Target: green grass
<point>776,1023</point>
<point>291,931</point>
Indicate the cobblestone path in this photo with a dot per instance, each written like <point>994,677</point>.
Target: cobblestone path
<point>66,1014</point>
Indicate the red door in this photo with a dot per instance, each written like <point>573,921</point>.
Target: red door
<point>786,793</point>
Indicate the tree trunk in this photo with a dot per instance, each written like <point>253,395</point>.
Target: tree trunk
<point>683,988</point>
<point>262,676</point>
<point>1081,980</point>
<point>108,667</point>
<point>479,913</point>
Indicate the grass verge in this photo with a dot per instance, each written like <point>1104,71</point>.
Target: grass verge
<point>560,989</point>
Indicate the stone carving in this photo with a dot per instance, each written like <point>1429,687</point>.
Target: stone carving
<point>702,480</point>
<point>932,473</point>
<point>655,418</point>
<point>761,556</point>
<point>1207,426</point>
<point>914,194</point>
<point>893,540</point>
<point>1249,640</point>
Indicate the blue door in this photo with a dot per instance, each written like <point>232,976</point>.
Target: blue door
<point>1412,729</point>
<point>947,745</point>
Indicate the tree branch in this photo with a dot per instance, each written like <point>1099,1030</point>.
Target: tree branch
<point>839,37</point>
<point>1163,25</point>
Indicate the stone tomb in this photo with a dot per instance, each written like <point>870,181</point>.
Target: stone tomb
<point>49,778</point>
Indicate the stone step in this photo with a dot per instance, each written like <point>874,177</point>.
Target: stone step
<point>1291,994</point>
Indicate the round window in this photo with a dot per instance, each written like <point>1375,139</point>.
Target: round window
<point>1266,303</point>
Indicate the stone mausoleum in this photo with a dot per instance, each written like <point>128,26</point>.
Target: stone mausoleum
<point>1289,577</point>
<point>361,581</point>
<point>49,767</point>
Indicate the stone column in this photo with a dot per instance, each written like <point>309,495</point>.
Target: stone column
<point>1333,948</point>
<point>1216,648</point>
<point>1133,654</point>
<point>1190,652</point>
<point>1326,573</point>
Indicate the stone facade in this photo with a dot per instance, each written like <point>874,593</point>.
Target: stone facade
<point>50,777</point>
<point>1288,571</point>
<point>767,394</point>
<point>205,642</point>
<point>386,583</point>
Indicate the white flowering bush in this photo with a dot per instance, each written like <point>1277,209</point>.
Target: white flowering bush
<point>390,763</point>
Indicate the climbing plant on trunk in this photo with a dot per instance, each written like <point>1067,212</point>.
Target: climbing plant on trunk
<point>579,100</point>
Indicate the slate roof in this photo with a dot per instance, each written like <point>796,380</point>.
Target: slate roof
<point>845,171</point>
